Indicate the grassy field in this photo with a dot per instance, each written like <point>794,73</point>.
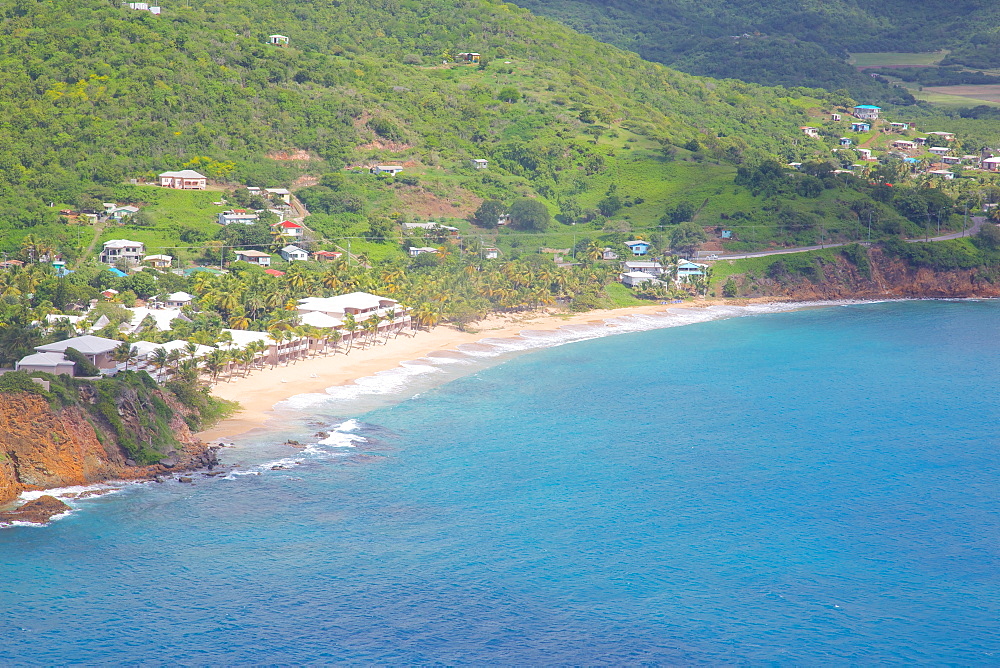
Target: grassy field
<point>888,59</point>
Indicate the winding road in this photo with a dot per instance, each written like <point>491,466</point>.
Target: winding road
<point>977,223</point>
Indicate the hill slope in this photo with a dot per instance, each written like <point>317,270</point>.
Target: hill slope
<point>93,93</point>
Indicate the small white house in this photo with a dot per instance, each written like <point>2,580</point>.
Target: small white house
<point>834,117</point>
<point>240,216</point>
<point>635,278</point>
<point>950,159</point>
<point>293,254</point>
<point>943,173</point>
<point>904,144</point>
<point>865,153</point>
<point>945,136</point>
<point>651,268</point>
<point>992,164</point>
<point>479,163</point>
<point>899,126</point>
<point>254,257</point>
<point>609,254</point>
<point>158,261</point>
<point>288,228</point>
<point>392,170</point>
<point>186,179</point>
<point>810,131</point>
<point>179,299</point>
<point>414,251</point>
<point>491,253</point>
<point>54,363</point>
<point>282,194</point>
<point>277,40</point>
<point>939,150</point>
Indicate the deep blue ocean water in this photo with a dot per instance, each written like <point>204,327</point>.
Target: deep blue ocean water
<point>810,488</point>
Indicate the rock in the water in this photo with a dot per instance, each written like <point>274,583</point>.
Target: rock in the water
<point>39,511</point>
<point>291,442</point>
<point>322,434</point>
<point>185,479</point>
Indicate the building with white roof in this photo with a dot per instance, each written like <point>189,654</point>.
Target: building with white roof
<point>186,179</point>
<point>95,348</point>
<point>162,319</point>
<point>293,253</point>
<point>54,363</point>
<point>241,216</point>
<point>131,252</point>
<point>359,304</point>
<point>179,299</point>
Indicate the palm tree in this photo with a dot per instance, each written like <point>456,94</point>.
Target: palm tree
<point>215,362</point>
<point>159,359</point>
<point>124,353</point>
<point>350,326</point>
<point>173,359</point>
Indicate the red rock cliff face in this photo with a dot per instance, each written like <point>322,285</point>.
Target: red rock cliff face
<point>889,278</point>
<point>41,448</point>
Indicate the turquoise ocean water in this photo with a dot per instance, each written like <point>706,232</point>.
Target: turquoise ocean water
<point>819,487</point>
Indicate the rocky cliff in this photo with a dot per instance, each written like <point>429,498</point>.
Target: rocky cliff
<point>881,277</point>
<point>42,447</point>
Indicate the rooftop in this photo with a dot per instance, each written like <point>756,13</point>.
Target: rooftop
<point>88,345</point>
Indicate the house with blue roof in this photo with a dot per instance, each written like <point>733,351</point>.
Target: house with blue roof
<point>638,247</point>
<point>866,112</point>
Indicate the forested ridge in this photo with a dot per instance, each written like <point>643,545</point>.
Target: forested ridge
<point>787,42</point>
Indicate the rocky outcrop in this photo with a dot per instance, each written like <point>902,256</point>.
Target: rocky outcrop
<point>885,278</point>
<point>42,447</point>
<point>38,511</point>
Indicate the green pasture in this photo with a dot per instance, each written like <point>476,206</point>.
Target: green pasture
<point>895,58</point>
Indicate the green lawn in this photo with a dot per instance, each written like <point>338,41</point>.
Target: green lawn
<point>895,58</point>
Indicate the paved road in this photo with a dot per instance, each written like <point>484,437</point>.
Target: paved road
<point>977,222</point>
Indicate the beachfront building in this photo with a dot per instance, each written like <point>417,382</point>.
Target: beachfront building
<point>360,305</point>
<point>651,268</point>
<point>634,279</point>
<point>284,350</point>
<point>687,270</point>
<point>95,348</point>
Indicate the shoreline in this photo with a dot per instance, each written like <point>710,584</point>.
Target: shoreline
<point>263,389</point>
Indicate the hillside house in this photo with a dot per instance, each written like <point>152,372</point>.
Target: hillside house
<point>810,131</point>
<point>951,159</point>
<point>158,261</point>
<point>145,7</point>
<point>491,253</point>
<point>865,153</point>
<point>95,348</point>
<point>279,194</point>
<point>238,216</point>
<point>186,179</point>
<point>687,270</point>
<point>131,252</point>
<point>147,319</point>
<point>945,136</point>
<point>179,299</point>
<point>899,127</point>
<point>943,173</point>
<point>638,247</point>
<point>939,150</point>
<point>991,164</point>
<point>253,257</point>
<point>651,268</point>
<point>634,279</point>
<point>431,227</point>
<point>392,170</point>
<point>608,254</point>
<point>470,58</point>
<point>118,213</point>
<point>326,256</point>
<point>866,112</point>
<point>921,141</point>
<point>288,228</point>
<point>277,40</point>
<point>845,141</point>
<point>414,251</point>
<point>479,163</point>
<point>904,144</point>
<point>293,254</point>
<point>861,126</point>
<point>834,117</point>
<point>503,220</point>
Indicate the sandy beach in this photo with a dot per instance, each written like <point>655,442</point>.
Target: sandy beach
<point>262,389</point>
